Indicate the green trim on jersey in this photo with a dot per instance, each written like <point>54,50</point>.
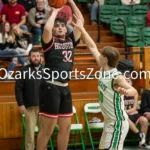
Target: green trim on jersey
<point>118,111</point>
<point>117,133</point>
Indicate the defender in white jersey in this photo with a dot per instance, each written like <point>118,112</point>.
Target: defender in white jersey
<point>112,85</point>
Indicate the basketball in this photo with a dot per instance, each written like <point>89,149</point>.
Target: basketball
<point>57,3</point>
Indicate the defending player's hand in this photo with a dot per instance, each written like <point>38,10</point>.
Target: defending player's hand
<point>121,91</point>
<point>78,21</point>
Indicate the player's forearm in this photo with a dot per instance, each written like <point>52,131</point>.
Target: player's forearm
<point>50,22</point>
<point>87,39</point>
<point>91,45</point>
<point>131,92</point>
<point>22,22</point>
<point>132,110</point>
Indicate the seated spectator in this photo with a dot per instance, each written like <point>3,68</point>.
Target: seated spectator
<point>131,104</point>
<point>22,40</point>
<point>130,2</point>
<point>148,19</point>
<point>37,18</point>
<point>28,4</point>
<point>5,44</point>
<point>14,13</point>
<point>1,6</point>
<point>94,10</point>
<point>145,105</point>
<point>0,18</point>
<point>46,5</point>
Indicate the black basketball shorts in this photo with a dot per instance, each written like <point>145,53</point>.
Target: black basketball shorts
<point>55,101</point>
<point>135,118</point>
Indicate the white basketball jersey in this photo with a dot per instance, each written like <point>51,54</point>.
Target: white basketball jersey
<point>111,102</point>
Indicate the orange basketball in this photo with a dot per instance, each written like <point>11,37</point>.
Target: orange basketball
<point>57,3</point>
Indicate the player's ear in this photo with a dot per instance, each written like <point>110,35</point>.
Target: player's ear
<point>66,30</point>
<point>53,32</point>
<point>106,60</point>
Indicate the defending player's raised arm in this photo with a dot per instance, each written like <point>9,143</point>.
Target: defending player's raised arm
<point>76,31</point>
<point>123,87</point>
<point>47,33</point>
<point>76,10</point>
<point>88,40</point>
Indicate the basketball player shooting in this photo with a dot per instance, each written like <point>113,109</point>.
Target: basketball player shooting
<point>55,95</point>
<point>112,85</point>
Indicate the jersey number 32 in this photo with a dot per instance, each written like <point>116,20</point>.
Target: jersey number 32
<point>67,56</point>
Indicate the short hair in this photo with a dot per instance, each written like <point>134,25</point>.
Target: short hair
<point>59,19</point>
<point>112,55</point>
<point>34,50</point>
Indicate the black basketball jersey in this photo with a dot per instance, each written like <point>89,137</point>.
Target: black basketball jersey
<point>128,102</point>
<point>59,57</point>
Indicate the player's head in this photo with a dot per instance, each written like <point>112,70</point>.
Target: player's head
<point>35,57</point>
<point>59,29</point>
<point>109,57</point>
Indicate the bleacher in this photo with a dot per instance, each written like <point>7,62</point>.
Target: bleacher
<point>83,90</point>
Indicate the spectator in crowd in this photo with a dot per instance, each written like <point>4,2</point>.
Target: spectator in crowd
<point>148,19</point>
<point>145,105</point>
<point>27,95</point>
<point>1,6</point>
<point>94,10</point>
<point>131,104</point>
<point>0,19</point>
<point>28,4</point>
<point>130,2</point>
<point>47,7</point>
<point>14,13</point>
<point>22,40</point>
<point>37,18</point>
<point>5,50</point>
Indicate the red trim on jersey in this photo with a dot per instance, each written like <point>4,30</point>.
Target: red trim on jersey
<point>65,115</point>
<point>55,115</point>
<point>48,115</point>
<point>48,47</point>
<point>60,38</point>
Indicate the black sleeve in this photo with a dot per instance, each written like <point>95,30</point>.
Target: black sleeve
<point>47,46</point>
<point>75,43</point>
<point>19,89</point>
<point>4,45</point>
<point>144,102</point>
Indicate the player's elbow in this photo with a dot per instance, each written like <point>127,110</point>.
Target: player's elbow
<point>135,92</point>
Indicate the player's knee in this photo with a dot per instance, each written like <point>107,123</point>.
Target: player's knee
<point>148,116</point>
<point>143,121</point>
<point>65,129</point>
